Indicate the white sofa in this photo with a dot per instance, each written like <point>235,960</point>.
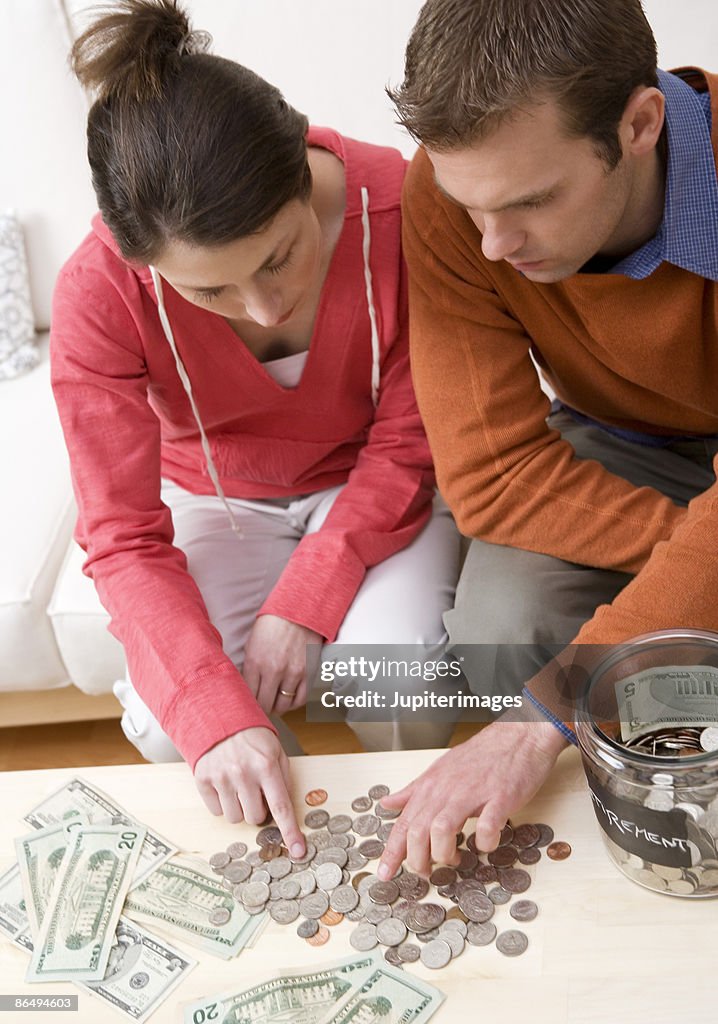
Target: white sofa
<point>332,58</point>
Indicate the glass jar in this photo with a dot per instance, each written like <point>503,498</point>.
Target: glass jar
<point>647,727</point>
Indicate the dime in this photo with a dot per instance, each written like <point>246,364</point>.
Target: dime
<point>523,910</point>
<point>219,916</point>
<point>481,934</point>
<point>498,895</point>
<point>362,804</point>
<point>237,871</point>
<point>371,849</point>
<point>314,798</point>
<point>486,873</point>
<point>409,952</point>
<point>279,867</point>
<point>454,940</point>
<point>709,738</point>
<point>503,856</point>
<point>329,876</point>
<point>260,875</point>
<point>443,876</point>
<point>512,942</point>
<point>433,933</point>
<point>320,937</point>
<point>344,898</point>
<point>314,905</point>
<point>284,911</point>
<point>514,879</point>
<point>529,855</point>
<point>436,954</point>
<point>385,813</point>
<point>558,851</point>
<point>391,932</point>
<point>331,918</point>
<point>377,792</point>
<point>322,839</point>
<point>356,861</point>
<point>366,824</point>
<point>255,894</point>
<point>237,850</point>
<point>392,957</point>
<point>357,914</point>
<point>219,861</point>
<point>316,819</point>
<point>476,905</point>
<point>363,937</point>
<point>307,881</point>
<point>274,893</point>
<point>307,928</point>
<point>269,836</point>
<point>526,835</point>
<point>447,890</point>
<point>546,834</point>
<point>384,830</point>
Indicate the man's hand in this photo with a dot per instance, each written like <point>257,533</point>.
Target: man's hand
<point>244,776</point>
<point>490,776</point>
<point>275,663</point>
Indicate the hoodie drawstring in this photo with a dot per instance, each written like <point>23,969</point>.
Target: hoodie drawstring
<point>375,350</point>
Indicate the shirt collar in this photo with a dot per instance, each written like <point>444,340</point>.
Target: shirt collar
<point>688,235</point>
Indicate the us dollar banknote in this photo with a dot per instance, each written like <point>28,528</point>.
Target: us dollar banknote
<point>387,994</point>
<point>179,897</point>
<point>78,928</point>
<point>14,921</point>
<point>78,797</point>
<point>672,696</point>
<point>302,996</point>
<point>39,858</point>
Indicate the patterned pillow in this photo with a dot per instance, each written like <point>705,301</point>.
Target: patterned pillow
<point>17,329</point>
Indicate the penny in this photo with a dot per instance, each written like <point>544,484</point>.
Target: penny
<point>329,876</point>
<point>219,861</point>
<point>498,895</point>
<point>558,851</point>
<point>366,825</point>
<point>363,937</point>
<point>512,942</point>
<point>269,836</point>
<point>477,906</point>
<point>219,916</point>
<point>456,914</point>
<point>523,910</point>
<point>408,952</point>
<point>314,798</point>
<point>514,879</point>
<point>377,792</point>
<point>361,804</point>
<point>481,933</point>
<point>503,856</point>
<point>237,850</point>
<point>391,932</point>
<point>314,905</point>
<point>237,871</point>
<point>331,918</point>
<point>443,876</point>
<point>529,855</point>
<point>320,937</point>
<point>343,899</point>
<point>546,834</point>
<point>307,928</point>
<point>284,911</point>
<point>384,892</point>
<point>526,835</point>
<point>316,819</point>
<point>371,849</point>
<point>271,851</point>
<point>436,954</point>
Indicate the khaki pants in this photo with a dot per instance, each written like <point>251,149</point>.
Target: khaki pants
<point>401,600</point>
<point>514,607</point>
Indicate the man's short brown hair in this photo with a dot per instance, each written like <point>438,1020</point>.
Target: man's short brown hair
<point>471,63</point>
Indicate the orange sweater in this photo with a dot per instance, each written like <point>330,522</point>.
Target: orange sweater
<point>637,354</point>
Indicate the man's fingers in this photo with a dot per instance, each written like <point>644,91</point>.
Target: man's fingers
<point>395,801</point>
<point>418,851</point>
<point>443,838</point>
<point>280,807</point>
<point>488,826</point>
<point>394,851</point>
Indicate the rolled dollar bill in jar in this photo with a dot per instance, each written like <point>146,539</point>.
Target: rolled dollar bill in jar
<point>647,727</point>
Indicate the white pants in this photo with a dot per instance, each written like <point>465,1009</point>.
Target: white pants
<point>401,600</point>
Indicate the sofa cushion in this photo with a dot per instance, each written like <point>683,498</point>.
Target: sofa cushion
<point>93,657</point>
<point>37,523</point>
<point>18,352</point>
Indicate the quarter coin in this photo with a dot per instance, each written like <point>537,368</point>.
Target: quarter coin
<point>436,954</point>
<point>237,850</point>
<point>523,910</point>
<point>481,933</point>
<point>219,916</point>
<point>512,942</point>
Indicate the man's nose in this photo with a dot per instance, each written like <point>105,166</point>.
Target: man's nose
<point>499,242</point>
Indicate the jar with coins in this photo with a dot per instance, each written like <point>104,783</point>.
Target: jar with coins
<point>647,727</point>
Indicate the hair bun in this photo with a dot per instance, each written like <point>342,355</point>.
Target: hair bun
<point>127,52</point>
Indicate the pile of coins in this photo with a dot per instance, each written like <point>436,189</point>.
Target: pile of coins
<point>330,883</point>
<point>681,742</point>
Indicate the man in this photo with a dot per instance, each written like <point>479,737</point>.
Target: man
<point>564,206</point>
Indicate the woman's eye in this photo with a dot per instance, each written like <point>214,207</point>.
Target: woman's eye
<point>278,267</point>
<point>208,294</point>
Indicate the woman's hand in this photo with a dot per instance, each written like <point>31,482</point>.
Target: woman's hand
<point>275,663</point>
<point>247,775</point>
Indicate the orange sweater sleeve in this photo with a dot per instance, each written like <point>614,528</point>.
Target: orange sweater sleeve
<point>506,475</point>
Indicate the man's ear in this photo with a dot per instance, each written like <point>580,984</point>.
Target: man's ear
<point>642,120</point>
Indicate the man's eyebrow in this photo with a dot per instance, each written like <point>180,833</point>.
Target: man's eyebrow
<point>530,197</point>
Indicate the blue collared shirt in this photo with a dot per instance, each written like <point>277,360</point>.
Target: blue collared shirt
<point>688,235</point>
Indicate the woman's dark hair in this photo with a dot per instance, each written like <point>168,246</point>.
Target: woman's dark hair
<point>182,144</point>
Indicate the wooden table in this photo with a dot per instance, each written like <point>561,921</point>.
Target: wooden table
<point>602,949</point>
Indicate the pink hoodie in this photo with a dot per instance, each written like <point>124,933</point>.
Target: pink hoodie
<point>128,422</point>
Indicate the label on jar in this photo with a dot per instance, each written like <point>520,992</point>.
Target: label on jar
<point>659,837</point>
<point>674,696</point>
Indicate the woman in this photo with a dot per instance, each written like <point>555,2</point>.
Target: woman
<point>230,363</point>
